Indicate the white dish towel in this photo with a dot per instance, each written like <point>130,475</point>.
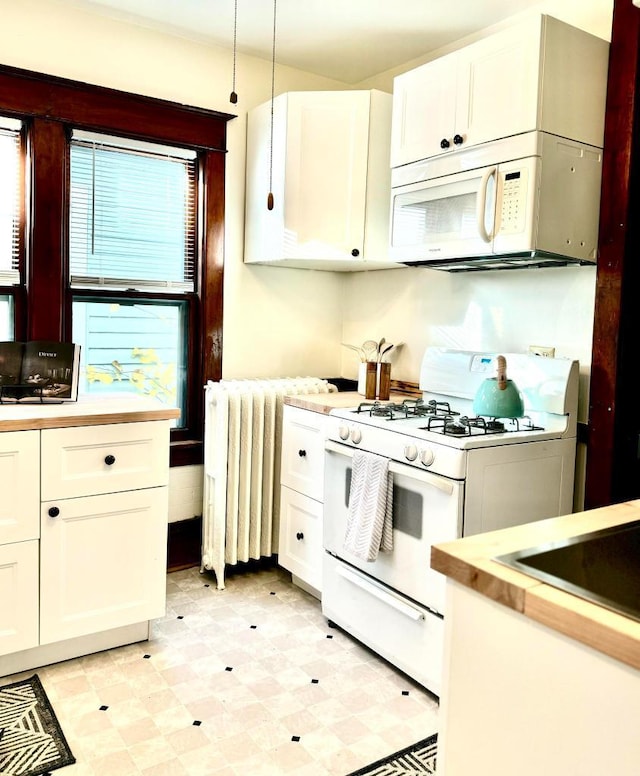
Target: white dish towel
<point>369,522</point>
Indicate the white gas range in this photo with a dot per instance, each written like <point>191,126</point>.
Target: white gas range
<point>454,475</point>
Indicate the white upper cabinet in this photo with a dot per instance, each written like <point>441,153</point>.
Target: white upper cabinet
<point>329,172</point>
<point>540,74</point>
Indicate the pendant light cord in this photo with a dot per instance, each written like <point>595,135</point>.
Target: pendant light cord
<point>233,97</point>
<point>273,83</point>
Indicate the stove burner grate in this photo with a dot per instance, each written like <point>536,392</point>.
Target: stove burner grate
<point>441,419</point>
<point>409,408</point>
<point>465,426</point>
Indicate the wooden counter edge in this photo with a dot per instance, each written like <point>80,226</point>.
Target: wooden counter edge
<point>95,419</point>
<point>601,629</point>
<point>315,404</point>
<point>508,588</point>
<point>324,403</point>
<point>469,562</point>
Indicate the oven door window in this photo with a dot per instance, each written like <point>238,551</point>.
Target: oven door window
<point>407,507</point>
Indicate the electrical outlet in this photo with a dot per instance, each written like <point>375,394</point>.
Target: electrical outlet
<point>542,350</point>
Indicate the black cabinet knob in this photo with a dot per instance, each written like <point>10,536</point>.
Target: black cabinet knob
<point>299,536</point>
<point>302,453</point>
<point>444,143</point>
<point>109,460</point>
<point>355,252</point>
<point>458,139</point>
<point>54,511</point>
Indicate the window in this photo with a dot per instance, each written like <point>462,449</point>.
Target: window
<point>7,329</point>
<point>120,239</point>
<point>132,229</point>
<point>10,210</point>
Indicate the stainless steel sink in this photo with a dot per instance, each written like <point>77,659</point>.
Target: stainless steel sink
<point>602,567</point>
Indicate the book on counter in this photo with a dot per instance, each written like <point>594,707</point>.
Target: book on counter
<point>39,371</point>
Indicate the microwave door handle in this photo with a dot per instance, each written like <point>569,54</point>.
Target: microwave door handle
<point>481,204</point>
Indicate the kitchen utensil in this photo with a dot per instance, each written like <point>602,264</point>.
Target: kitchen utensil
<point>358,350</point>
<point>370,349</point>
<point>379,348</point>
<point>499,397</point>
<point>385,349</point>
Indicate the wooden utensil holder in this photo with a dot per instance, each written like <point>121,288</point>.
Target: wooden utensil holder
<point>371,379</point>
<point>384,380</point>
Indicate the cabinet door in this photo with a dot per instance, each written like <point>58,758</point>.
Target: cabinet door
<point>498,85</point>
<point>326,174</point>
<point>19,484</point>
<point>88,460</point>
<point>18,597</point>
<point>103,562</point>
<point>424,104</point>
<point>302,462</point>
<point>300,543</point>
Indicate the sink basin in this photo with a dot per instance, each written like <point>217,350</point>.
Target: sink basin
<point>602,567</point>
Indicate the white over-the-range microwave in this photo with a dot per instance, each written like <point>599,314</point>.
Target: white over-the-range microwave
<point>531,199</point>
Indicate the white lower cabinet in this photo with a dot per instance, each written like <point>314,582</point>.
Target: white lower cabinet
<point>18,596</point>
<point>19,480</point>
<point>301,496</point>
<point>300,548</point>
<point>81,572</point>
<point>102,562</point>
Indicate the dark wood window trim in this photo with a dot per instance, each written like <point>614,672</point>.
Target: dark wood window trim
<point>613,443</point>
<point>51,106</point>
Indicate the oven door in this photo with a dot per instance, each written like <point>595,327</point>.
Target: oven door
<point>427,509</point>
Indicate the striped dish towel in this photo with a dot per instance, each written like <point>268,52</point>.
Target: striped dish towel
<point>369,522</point>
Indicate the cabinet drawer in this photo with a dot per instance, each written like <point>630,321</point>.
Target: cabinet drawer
<point>302,465</point>
<point>89,460</point>
<point>18,597</point>
<point>19,479</point>
<point>300,543</point>
<point>103,562</point>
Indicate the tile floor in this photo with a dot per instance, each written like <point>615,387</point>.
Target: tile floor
<point>249,680</point>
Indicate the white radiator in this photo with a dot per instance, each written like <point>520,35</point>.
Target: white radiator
<point>241,492</point>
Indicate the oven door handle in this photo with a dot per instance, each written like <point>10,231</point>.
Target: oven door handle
<point>436,481</point>
<point>377,592</point>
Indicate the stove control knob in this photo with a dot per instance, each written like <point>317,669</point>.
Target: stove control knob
<point>356,436</point>
<point>426,456</point>
<point>343,433</point>
<point>410,452</point>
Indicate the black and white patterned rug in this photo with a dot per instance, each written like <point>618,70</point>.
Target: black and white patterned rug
<point>412,761</point>
<point>31,740</point>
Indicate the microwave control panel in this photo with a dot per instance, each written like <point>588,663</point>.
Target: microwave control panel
<point>513,201</point>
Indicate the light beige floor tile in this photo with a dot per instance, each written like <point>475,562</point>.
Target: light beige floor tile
<point>352,713</point>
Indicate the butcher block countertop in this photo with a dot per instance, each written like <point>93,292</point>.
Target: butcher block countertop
<point>469,562</point>
<point>325,402</point>
<point>87,411</point>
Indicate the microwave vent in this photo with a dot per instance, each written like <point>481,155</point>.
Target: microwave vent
<point>529,260</point>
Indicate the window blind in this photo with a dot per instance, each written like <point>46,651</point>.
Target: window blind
<point>10,201</point>
<point>132,215</point>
